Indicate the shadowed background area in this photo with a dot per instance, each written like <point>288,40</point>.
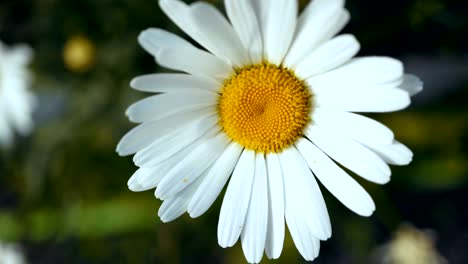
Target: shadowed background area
<point>63,191</point>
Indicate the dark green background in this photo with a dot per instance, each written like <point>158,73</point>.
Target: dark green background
<point>63,192</point>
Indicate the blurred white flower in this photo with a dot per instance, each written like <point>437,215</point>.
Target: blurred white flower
<point>16,101</point>
<point>410,246</point>
<point>10,254</point>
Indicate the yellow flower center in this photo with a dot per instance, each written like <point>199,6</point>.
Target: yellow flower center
<point>264,108</point>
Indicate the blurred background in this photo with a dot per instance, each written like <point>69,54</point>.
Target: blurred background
<point>63,190</point>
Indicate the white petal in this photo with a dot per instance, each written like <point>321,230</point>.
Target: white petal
<point>236,200</point>
<point>171,143</point>
<point>173,52</point>
<point>245,23</point>
<point>173,82</point>
<point>144,134</point>
<point>149,177</point>
<point>299,225</point>
<point>307,244</point>
<point>194,61</point>
<point>195,21</point>
<point>142,175</point>
<point>320,21</point>
<point>301,189</point>
<point>364,100</point>
<point>357,74</point>
<point>155,39</point>
<point>181,15</point>
<point>163,105</point>
<point>336,180</point>
<point>216,29</point>
<point>215,180</point>
<point>352,125</point>
<point>278,23</point>
<point>394,154</point>
<point>275,233</point>
<point>174,207</point>
<point>412,84</point>
<point>336,25</point>
<point>328,56</point>
<point>350,154</point>
<point>192,166</point>
<point>255,229</point>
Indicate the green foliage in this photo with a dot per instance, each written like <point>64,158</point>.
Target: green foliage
<point>66,187</point>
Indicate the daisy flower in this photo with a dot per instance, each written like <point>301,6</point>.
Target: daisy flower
<point>16,101</point>
<point>267,105</point>
<point>410,245</point>
<point>10,254</point>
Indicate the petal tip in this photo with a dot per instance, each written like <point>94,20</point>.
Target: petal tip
<point>120,151</point>
<point>134,83</point>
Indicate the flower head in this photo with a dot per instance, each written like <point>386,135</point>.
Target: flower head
<point>16,101</point>
<point>10,254</point>
<point>268,107</point>
<point>411,246</point>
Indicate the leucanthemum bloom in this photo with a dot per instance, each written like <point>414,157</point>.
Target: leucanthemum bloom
<point>11,254</point>
<point>16,100</point>
<point>268,106</point>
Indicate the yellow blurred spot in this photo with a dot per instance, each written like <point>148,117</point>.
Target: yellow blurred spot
<point>79,54</point>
